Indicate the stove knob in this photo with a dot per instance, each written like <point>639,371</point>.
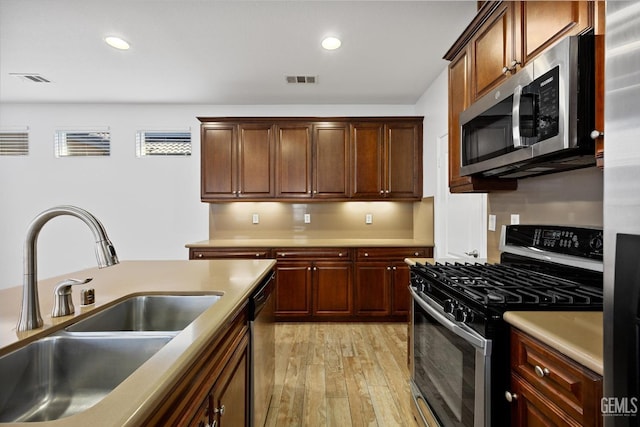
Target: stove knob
<point>449,306</point>
<point>460,314</point>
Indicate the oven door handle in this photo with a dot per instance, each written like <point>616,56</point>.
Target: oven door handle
<point>472,338</point>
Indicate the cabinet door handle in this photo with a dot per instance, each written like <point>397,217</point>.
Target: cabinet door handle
<point>308,268</point>
<point>389,268</point>
<point>219,410</point>
<point>394,268</point>
<point>595,134</point>
<point>510,396</point>
<point>541,372</point>
<point>381,191</point>
<point>315,268</point>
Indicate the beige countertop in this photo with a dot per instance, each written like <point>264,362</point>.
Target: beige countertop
<point>576,334</point>
<point>304,242</point>
<point>140,393</point>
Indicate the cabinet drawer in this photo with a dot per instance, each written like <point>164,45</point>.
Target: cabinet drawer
<point>197,253</point>
<point>312,253</point>
<point>391,254</point>
<point>572,387</point>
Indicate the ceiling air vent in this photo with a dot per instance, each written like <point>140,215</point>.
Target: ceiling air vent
<point>31,77</point>
<point>301,79</point>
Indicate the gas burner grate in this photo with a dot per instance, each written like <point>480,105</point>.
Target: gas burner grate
<point>505,285</point>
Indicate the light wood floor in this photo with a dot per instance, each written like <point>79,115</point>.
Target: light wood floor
<point>341,374</point>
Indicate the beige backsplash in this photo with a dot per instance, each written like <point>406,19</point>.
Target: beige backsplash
<point>567,198</point>
<point>391,220</point>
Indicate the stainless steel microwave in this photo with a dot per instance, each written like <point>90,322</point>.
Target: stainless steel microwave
<point>538,121</point>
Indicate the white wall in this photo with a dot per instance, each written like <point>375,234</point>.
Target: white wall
<point>433,105</point>
<point>150,207</point>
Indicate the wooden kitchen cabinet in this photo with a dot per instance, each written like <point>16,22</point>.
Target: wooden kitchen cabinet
<point>217,378</point>
<point>236,161</point>
<point>502,38</point>
<point>330,160</point>
<point>385,158</point>
<point>316,159</point>
<point>492,50</point>
<point>382,281</point>
<point>293,161</point>
<point>550,388</point>
<point>313,283</point>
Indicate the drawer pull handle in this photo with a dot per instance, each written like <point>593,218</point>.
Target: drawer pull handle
<point>541,372</point>
<point>366,254</point>
<point>257,255</point>
<point>340,254</point>
<point>199,255</point>
<point>416,253</point>
<point>510,396</point>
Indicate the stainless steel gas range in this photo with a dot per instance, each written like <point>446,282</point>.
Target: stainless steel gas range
<point>460,343</point>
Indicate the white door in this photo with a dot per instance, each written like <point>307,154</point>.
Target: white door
<point>459,219</point>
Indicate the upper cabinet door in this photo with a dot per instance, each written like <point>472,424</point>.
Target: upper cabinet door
<point>255,161</point>
<point>492,50</point>
<point>331,160</point>
<point>539,24</point>
<point>403,166</point>
<point>218,162</point>
<point>367,143</point>
<point>293,161</point>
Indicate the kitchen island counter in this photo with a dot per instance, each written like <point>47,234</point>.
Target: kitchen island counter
<point>137,396</point>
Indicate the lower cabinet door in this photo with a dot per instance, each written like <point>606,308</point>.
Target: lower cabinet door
<point>293,288</point>
<point>229,394</point>
<point>532,409</point>
<point>373,282</point>
<point>401,301</point>
<point>333,295</point>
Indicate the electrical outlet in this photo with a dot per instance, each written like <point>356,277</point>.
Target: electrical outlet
<point>368,219</point>
<point>492,223</point>
<point>515,219</point>
<point>255,218</point>
<point>307,218</point>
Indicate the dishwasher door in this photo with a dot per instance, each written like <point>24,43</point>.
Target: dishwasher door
<point>263,352</point>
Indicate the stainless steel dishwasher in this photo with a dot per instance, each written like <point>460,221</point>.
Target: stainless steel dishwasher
<point>263,351</point>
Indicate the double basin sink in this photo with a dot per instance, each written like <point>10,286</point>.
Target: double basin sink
<point>71,370</point>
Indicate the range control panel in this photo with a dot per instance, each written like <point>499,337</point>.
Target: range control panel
<point>576,241</point>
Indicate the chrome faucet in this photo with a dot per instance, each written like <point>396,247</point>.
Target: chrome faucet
<point>105,253</point>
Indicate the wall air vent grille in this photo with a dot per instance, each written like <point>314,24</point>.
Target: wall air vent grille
<point>301,79</point>
<point>31,77</point>
<point>163,143</point>
<point>14,143</point>
<point>82,143</point>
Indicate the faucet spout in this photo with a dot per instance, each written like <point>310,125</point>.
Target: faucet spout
<point>30,317</point>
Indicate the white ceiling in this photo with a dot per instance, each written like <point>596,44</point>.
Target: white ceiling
<point>225,52</point>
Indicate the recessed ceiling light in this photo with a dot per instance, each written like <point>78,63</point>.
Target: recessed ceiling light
<point>117,42</point>
<point>331,43</point>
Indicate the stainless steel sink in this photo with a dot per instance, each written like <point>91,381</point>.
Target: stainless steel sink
<point>148,313</point>
<point>58,376</point>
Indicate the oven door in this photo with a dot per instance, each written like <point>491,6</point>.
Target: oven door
<point>450,369</point>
